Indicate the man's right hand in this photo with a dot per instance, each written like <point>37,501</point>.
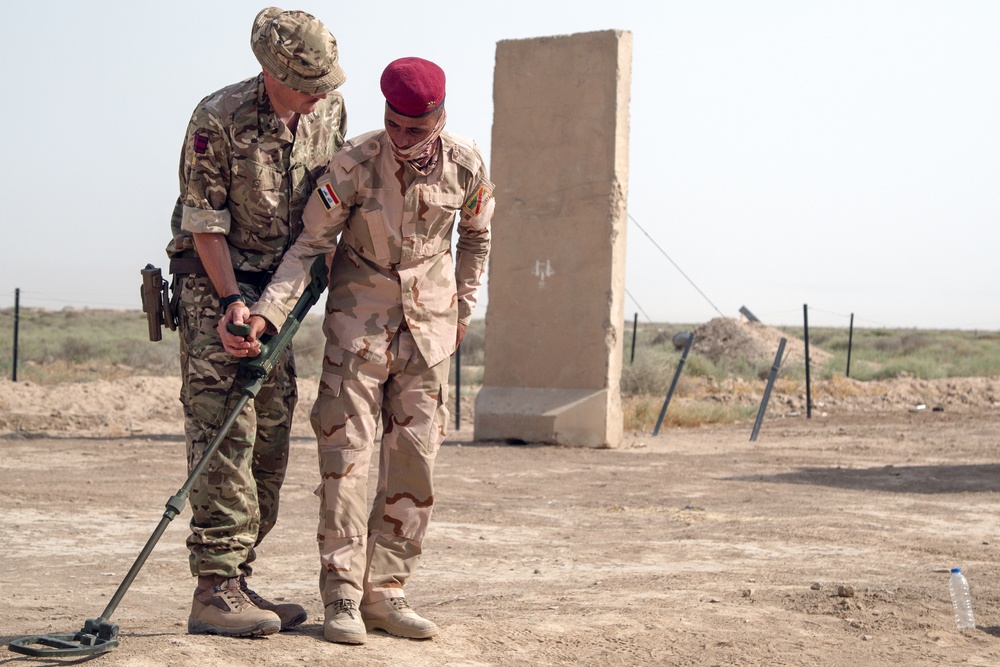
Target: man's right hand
<point>241,346</point>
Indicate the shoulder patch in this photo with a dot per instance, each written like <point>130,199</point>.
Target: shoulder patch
<point>481,196</point>
<point>200,142</point>
<point>328,196</point>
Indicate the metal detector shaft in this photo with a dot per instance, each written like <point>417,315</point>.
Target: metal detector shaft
<point>99,635</point>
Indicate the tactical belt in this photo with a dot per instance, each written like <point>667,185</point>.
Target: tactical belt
<point>193,266</point>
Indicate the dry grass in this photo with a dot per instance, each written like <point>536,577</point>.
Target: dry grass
<point>640,413</point>
<point>82,345</point>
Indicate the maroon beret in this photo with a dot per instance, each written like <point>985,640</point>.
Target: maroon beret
<point>413,86</point>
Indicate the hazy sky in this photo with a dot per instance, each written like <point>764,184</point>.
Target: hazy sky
<point>840,154</point>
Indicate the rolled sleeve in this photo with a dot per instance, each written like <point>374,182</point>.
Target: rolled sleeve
<point>200,221</point>
<point>205,172</point>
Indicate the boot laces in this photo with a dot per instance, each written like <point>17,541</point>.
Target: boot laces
<point>233,596</point>
<point>399,604</point>
<point>345,606</point>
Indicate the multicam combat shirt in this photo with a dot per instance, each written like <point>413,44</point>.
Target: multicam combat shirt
<point>244,174</point>
<point>394,260</point>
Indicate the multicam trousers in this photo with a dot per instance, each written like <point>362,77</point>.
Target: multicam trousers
<point>234,502</point>
<point>368,556</point>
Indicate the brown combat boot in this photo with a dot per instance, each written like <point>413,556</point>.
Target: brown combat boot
<point>395,617</point>
<point>220,608</point>
<point>291,615</point>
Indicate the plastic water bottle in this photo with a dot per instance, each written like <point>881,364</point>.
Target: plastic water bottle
<point>961,600</point>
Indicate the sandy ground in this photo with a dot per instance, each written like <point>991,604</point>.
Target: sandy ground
<point>825,542</point>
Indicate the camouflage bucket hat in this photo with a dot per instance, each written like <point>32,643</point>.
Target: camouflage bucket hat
<point>296,49</point>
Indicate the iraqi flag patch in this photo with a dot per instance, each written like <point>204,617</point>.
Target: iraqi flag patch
<point>328,196</point>
<point>478,201</point>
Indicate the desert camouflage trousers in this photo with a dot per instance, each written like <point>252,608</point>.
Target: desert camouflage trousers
<point>369,554</point>
<point>234,502</point>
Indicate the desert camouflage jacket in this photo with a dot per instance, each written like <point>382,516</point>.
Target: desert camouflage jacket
<point>244,174</point>
<point>393,263</point>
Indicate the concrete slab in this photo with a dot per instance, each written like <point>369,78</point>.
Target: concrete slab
<point>557,268</point>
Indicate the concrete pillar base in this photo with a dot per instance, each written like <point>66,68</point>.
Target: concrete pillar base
<point>574,417</point>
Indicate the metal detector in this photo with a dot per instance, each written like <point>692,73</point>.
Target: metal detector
<point>99,635</point>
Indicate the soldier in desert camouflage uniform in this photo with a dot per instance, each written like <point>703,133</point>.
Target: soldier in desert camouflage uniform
<point>251,157</point>
<point>398,306</point>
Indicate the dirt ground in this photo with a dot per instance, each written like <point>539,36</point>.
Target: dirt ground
<point>825,542</point>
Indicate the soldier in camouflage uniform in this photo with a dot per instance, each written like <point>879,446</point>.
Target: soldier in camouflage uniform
<point>397,308</point>
<point>251,157</point>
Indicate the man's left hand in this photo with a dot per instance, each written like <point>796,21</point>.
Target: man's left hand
<point>460,334</point>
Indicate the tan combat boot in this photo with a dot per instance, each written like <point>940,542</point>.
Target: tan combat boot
<point>220,608</point>
<point>395,617</point>
<point>343,624</point>
<point>291,615</point>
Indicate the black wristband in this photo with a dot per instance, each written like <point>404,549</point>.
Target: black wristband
<point>227,301</point>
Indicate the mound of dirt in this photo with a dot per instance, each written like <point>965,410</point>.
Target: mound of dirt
<point>106,408</point>
<point>728,338</point>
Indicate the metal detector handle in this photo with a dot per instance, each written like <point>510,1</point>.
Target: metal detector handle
<point>272,346</point>
<point>241,330</point>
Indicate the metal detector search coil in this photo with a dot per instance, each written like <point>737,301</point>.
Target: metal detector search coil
<point>96,637</point>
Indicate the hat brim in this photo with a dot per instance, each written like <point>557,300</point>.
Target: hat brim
<point>327,83</point>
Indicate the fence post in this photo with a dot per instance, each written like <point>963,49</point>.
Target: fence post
<point>673,383</point>
<point>767,391</point>
<point>635,326</point>
<point>17,321</point>
<point>805,330</point>
<point>850,340</point>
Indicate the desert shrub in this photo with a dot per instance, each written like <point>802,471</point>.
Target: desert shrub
<point>663,338</point>
<point>645,377</point>
<point>840,387</point>
<point>912,367</point>
<point>901,343</point>
<point>830,340</point>
<point>698,365</point>
<point>162,358</point>
<point>641,412</point>
<point>913,342</point>
<point>975,366</point>
<point>76,351</point>
<point>746,368</point>
<point>835,365</point>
